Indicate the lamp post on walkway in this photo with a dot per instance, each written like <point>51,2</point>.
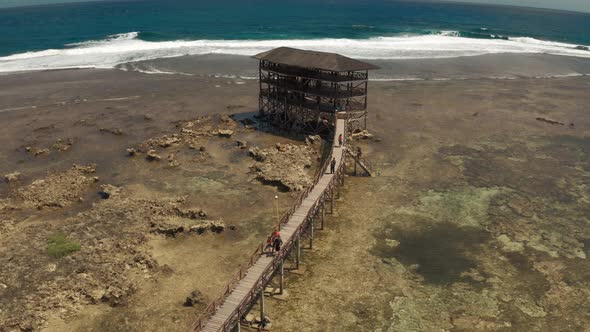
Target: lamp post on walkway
<point>278,213</point>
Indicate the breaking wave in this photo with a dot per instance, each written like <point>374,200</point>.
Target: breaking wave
<point>128,47</point>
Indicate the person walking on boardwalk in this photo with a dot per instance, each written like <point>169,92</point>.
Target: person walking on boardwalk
<point>359,152</point>
<point>268,248</point>
<point>278,242</point>
<point>340,139</point>
<point>333,165</point>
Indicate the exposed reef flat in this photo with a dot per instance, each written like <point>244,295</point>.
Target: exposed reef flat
<point>477,218</point>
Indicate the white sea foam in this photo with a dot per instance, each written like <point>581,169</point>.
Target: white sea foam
<point>117,37</point>
<point>151,70</point>
<point>124,48</point>
<point>235,76</point>
<point>450,33</point>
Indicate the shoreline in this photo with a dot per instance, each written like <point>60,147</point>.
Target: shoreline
<point>491,66</point>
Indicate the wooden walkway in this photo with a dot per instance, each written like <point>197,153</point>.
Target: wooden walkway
<point>255,278</point>
<point>359,162</point>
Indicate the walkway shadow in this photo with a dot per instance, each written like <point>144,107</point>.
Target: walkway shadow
<point>253,119</point>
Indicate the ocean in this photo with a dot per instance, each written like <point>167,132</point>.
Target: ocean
<point>108,34</point>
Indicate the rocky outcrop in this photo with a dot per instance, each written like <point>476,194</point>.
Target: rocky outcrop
<point>194,298</point>
<point>285,165</point>
<point>213,226</point>
<point>172,161</point>
<point>115,131</point>
<point>191,213</point>
<point>242,144</point>
<point>35,151</point>
<point>166,229</point>
<point>152,155</point>
<point>60,145</point>
<point>225,132</point>
<point>12,177</point>
<point>108,191</point>
<point>163,141</point>
<point>56,190</point>
<point>189,134</point>
<point>112,235</point>
<point>363,134</point>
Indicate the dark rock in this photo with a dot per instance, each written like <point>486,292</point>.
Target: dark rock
<point>115,131</point>
<point>217,228</point>
<point>242,144</point>
<point>191,213</point>
<point>225,132</point>
<point>213,226</point>
<point>153,156</point>
<point>166,229</point>
<point>248,122</point>
<point>15,176</point>
<point>550,121</point>
<point>194,298</point>
<point>107,191</point>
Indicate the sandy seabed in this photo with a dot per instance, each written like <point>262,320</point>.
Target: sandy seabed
<point>477,218</point>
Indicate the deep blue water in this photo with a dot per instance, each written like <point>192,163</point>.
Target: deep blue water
<point>53,27</point>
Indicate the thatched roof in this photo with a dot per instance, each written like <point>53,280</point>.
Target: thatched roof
<point>313,59</point>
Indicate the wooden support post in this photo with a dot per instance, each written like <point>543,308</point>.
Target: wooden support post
<point>323,214</point>
<point>332,200</point>
<point>311,235</point>
<point>262,304</point>
<point>298,252</point>
<point>340,184</point>
<point>281,278</point>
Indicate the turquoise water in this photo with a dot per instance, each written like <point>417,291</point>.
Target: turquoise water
<point>109,33</point>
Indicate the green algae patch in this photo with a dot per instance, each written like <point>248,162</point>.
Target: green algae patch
<point>467,208</point>
<point>58,245</point>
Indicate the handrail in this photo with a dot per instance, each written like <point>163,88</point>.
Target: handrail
<point>322,106</point>
<point>314,74</point>
<point>211,308</point>
<point>324,91</point>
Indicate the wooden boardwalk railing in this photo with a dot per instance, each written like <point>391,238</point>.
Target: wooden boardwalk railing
<point>244,288</point>
<point>359,161</point>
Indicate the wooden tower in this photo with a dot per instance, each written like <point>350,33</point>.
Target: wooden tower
<point>302,90</point>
